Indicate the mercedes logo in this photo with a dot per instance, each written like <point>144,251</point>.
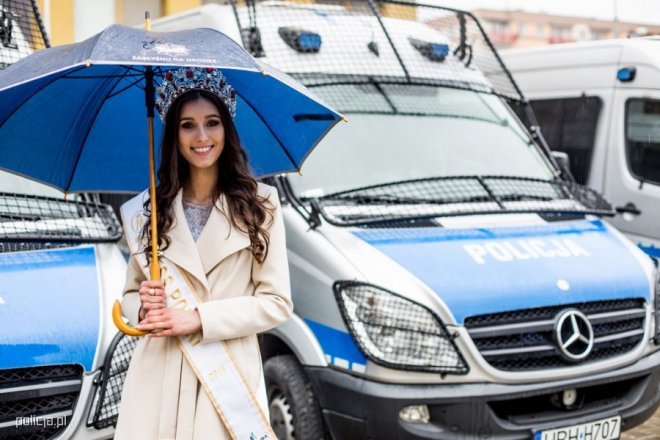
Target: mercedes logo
<point>574,335</point>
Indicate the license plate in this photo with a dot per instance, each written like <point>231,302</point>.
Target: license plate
<point>604,429</point>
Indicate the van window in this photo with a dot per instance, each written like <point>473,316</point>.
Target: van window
<point>569,125</point>
<point>399,132</point>
<point>643,139</point>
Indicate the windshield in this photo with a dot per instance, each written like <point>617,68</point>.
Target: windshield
<point>400,132</point>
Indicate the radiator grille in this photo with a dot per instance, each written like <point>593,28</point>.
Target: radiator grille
<point>523,340</point>
<point>38,402</point>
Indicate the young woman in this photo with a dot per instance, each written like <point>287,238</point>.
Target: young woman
<point>225,234</point>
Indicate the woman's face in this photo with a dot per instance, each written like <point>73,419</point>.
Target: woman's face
<point>201,133</point>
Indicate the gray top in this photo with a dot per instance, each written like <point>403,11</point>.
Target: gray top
<point>196,216</point>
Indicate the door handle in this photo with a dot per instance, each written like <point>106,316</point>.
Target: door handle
<point>629,208</point>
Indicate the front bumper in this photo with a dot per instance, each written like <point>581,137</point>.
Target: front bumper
<point>357,408</point>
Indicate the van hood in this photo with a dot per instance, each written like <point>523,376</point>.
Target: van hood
<point>477,271</point>
<point>49,307</point>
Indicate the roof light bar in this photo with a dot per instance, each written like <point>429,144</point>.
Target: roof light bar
<point>432,51</point>
<point>300,40</point>
<point>626,74</point>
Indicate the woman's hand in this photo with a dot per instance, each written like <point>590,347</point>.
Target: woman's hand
<point>171,322</point>
<point>152,297</point>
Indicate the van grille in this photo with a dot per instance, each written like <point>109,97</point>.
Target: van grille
<point>522,340</point>
<point>38,402</point>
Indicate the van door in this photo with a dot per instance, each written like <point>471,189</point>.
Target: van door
<point>632,181</point>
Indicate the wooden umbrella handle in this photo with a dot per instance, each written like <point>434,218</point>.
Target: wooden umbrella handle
<point>154,267</point>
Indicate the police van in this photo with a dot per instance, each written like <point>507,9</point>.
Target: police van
<point>599,102</point>
<point>62,361</point>
<point>448,281</point>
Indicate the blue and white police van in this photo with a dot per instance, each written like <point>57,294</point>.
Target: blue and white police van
<point>62,362</point>
<point>449,280</point>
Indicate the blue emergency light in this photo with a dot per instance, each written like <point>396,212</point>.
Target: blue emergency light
<point>432,51</point>
<point>626,74</point>
<point>300,40</point>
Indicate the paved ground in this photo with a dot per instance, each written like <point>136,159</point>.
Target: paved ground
<point>648,431</point>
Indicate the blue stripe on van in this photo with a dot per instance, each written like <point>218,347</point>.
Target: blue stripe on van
<point>49,308</point>
<point>651,250</point>
<point>488,270</point>
<point>337,344</point>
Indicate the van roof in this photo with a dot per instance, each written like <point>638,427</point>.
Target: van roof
<point>354,43</point>
<point>645,49</point>
<point>586,65</point>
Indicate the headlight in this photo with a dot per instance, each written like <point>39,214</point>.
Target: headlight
<point>396,332</point>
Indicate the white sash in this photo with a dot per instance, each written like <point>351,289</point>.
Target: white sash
<point>212,362</point>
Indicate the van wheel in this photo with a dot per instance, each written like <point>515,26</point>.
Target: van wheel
<point>294,409</point>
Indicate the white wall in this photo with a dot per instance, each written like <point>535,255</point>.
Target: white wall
<point>91,17</point>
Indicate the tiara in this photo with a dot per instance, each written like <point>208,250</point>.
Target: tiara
<point>176,82</point>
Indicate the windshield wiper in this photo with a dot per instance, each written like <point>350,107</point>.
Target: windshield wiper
<point>396,200</point>
<point>452,195</point>
<point>514,197</point>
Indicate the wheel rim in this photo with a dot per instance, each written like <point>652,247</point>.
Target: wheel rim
<point>281,418</point>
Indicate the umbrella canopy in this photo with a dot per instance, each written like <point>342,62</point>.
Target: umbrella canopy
<point>74,116</point>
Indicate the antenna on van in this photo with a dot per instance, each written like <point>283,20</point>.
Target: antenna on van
<point>251,35</point>
<point>463,49</point>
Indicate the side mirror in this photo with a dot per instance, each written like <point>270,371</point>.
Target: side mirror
<point>564,162</point>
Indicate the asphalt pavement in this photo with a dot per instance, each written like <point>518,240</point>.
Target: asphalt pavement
<point>650,430</point>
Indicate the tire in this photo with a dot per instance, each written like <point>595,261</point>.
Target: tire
<point>294,409</point>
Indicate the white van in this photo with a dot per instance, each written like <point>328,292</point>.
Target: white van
<point>447,282</point>
<point>600,103</point>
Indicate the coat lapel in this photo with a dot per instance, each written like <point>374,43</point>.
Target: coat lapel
<point>219,239</point>
<point>182,249</point>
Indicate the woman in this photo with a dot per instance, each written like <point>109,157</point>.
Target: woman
<point>225,233</point>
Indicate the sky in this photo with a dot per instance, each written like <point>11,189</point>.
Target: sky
<point>637,11</point>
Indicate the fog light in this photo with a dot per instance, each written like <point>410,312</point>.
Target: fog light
<point>568,398</point>
<point>415,414</point>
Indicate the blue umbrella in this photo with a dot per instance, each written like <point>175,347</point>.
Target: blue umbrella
<point>73,116</point>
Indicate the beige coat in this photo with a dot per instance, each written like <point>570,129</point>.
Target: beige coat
<point>162,398</point>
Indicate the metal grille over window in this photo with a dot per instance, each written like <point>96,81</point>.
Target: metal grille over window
<point>459,195</point>
<point>32,222</point>
<point>525,340</point>
<point>396,332</point>
<point>643,139</point>
<point>105,407</point>
<point>389,42</point>
<point>21,30</point>
<point>568,125</point>
<point>38,402</point>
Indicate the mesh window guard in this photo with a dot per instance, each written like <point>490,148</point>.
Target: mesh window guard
<point>331,43</point>
<point>21,30</point>
<point>457,195</point>
<point>34,222</point>
<point>105,407</point>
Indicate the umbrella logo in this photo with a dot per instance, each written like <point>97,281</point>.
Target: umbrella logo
<point>171,49</point>
<point>165,48</point>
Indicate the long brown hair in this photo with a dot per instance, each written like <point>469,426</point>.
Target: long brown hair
<point>247,209</point>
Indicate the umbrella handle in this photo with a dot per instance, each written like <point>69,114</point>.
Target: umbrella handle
<point>121,325</point>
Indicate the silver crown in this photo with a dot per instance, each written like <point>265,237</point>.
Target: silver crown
<point>176,82</point>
